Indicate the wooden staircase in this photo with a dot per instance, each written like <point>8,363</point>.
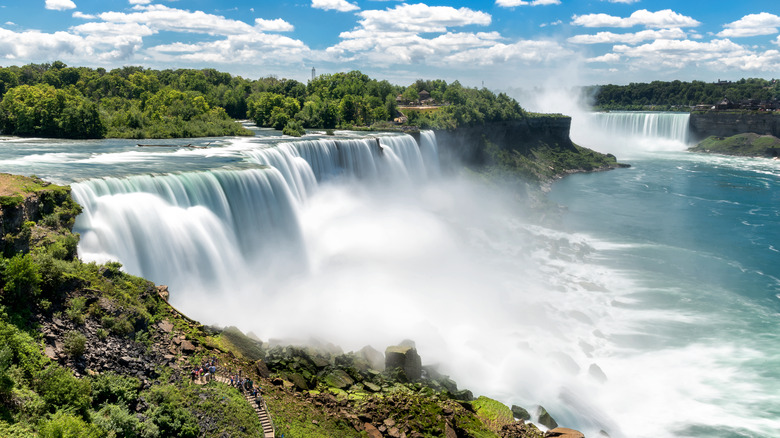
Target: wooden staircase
<point>260,409</point>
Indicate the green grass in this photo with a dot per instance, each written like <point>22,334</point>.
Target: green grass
<point>748,144</point>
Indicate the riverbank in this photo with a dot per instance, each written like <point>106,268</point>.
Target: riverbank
<point>744,145</point>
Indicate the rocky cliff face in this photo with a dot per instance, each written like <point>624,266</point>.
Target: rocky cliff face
<point>727,123</point>
<point>468,145</point>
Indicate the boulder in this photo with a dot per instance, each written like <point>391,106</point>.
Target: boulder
<point>372,431</point>
<point>162,290</point>
<point>562,432</point>
<point>187,347</point>
<point>404,358</point>
<point>520,413</point>
<point>298,380</point>
<point>262,369</point>
<point>373,356</point>
<point>338,379</point>
<point>545,418</point>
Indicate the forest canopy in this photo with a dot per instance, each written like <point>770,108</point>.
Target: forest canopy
<point>54,100</point>
<point>638,96</point>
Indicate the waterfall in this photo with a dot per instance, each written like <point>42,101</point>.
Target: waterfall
<point>223,228</point>
<point>193,227</point>
<point>670,126</point>
<point>619,132</point>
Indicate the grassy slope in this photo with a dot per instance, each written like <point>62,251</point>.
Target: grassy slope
<point>749,144</point>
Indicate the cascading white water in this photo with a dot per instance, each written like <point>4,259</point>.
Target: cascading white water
<point>625,133</point>
<point>189,229</point>
<point>651,125</point>
<point>225,228</point>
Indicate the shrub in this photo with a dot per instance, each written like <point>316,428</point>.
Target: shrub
<point>60,389</point>
<point>117,421</point>
<point>293,128</point>
<point>75,311</point>
<point>115,389</point>
<point>75,343</point>
<point>66,425</point>
<point>22,279</point>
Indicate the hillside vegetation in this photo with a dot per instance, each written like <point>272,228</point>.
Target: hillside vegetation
<point>54,100</point>
<point>668,95</point>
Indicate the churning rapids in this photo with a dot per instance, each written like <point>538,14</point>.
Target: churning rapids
<point>650,310</point>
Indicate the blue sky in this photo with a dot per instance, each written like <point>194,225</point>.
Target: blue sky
<point>503,43</point>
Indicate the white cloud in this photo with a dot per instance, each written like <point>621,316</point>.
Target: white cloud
<point>337,5</point>
<point>277,25</point>
<point>78,14</point>
<point>33,46</point>
<point>554,23</point>
<point>163,18</point>
<point>752,25</point>
<point>119,36</point>
<point>139,2</point>
<point>628,38</point>
<point>609,58</point>
<point>421,18</point>
<point>524,51</point>
<point>252,48</point>
<point>514,3</point>
<point>716,55</point>
<point>660,19</point>
<point>113,29</point>
<point>60,5</point>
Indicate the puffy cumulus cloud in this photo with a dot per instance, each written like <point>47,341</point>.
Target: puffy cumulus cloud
<point>406,47</point>
<point>752,25</point>
<point>718,55</point>
<point>139,2</point>
<point>33,45</point>
<point>334,5</point>
<point>252,48</point>
<point>628,38</point>
<point>117,36</point>
<point>163,18</point>
<point>277,25</point>
<point>523,51</point>
<point>60,5</point>
<point>513,3</point>
<point>660,19</point>
<point>82,15</point>
<point>609,58</point>
<point>103,29</point>
<point>421,18</point>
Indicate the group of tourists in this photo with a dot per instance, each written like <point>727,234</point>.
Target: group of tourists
<point>205,372</point>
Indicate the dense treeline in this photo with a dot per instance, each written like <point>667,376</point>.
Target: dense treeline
<point>684,94</point>
<point>54,100</point>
